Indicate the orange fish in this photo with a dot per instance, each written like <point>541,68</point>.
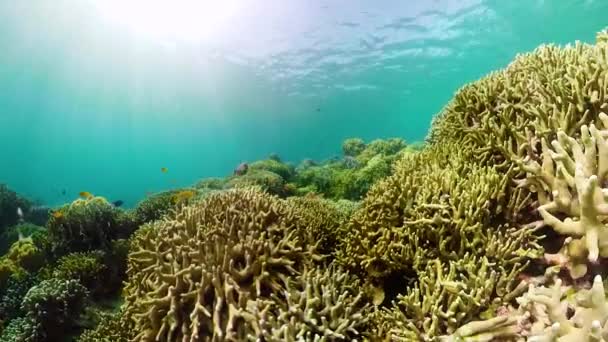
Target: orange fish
<point>86,195</point>
<point>164,170</point>
<point>57,214</point>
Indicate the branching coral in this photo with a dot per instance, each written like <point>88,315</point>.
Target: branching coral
<point>194,275</point>
<point>447,295</point>
<point>320,305</point>
<point>434,205</point>
<point>111,328</point>
<point>321,222</point>
<point>570,182</point>
<point>503,116</point>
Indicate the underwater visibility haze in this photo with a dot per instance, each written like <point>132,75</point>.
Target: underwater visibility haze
<point>296,170</point>
<point>99,95</point>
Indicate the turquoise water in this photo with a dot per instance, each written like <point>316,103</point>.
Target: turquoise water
<point>90,101</point>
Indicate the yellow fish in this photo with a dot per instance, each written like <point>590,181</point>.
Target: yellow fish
<point>57,214</point>
<point>164,170</point>
<point>86,195</point>
<point>183,196</point>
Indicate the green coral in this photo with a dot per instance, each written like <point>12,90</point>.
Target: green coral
<point>25,254</point>
<point>54,305</point>
<point>154,207</point>
<point>11,234</point>
<point>83,225</point>
<point>9,269</point>
<point>216,256</point>
<point>22,329</point>
<point>86,268</point>
<point>266,180</point>
<point>17,287</point>
<point>286,171</point>
<point>385,147</point>
<point>113,327</point>
<point>352,147</point>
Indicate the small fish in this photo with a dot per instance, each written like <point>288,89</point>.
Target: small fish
<point>241,169</point>
<point>86,195</point>
<point>57,214</point>
<point>118,203</point>
<point>183,196</point>
<point>164,170</point>
<point>20,214</point>
<point>63,192</point>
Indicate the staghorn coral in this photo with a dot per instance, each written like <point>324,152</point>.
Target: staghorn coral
<point>554,312</point>
<point>196,275</point>
<point>83,225</point>
<point>447,295</point>
<point>437,214</point>
<point>569,182</point>
<point>434,205</point>
<point>320,305</point>
<point>503,116</point>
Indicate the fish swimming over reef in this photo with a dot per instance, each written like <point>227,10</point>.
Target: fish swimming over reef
<point>118,203</point>
<point>86,195</point>
<point>241,169</point>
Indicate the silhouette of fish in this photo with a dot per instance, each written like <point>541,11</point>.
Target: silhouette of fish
<point>118,203</point>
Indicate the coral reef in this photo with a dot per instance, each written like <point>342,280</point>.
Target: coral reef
<point>494,229</point>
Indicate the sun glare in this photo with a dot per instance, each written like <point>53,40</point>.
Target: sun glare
<point>172,20</point>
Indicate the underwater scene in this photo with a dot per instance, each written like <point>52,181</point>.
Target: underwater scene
<point>303,170</point>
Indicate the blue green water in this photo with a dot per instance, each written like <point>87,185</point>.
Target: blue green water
<point>88,103</point>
